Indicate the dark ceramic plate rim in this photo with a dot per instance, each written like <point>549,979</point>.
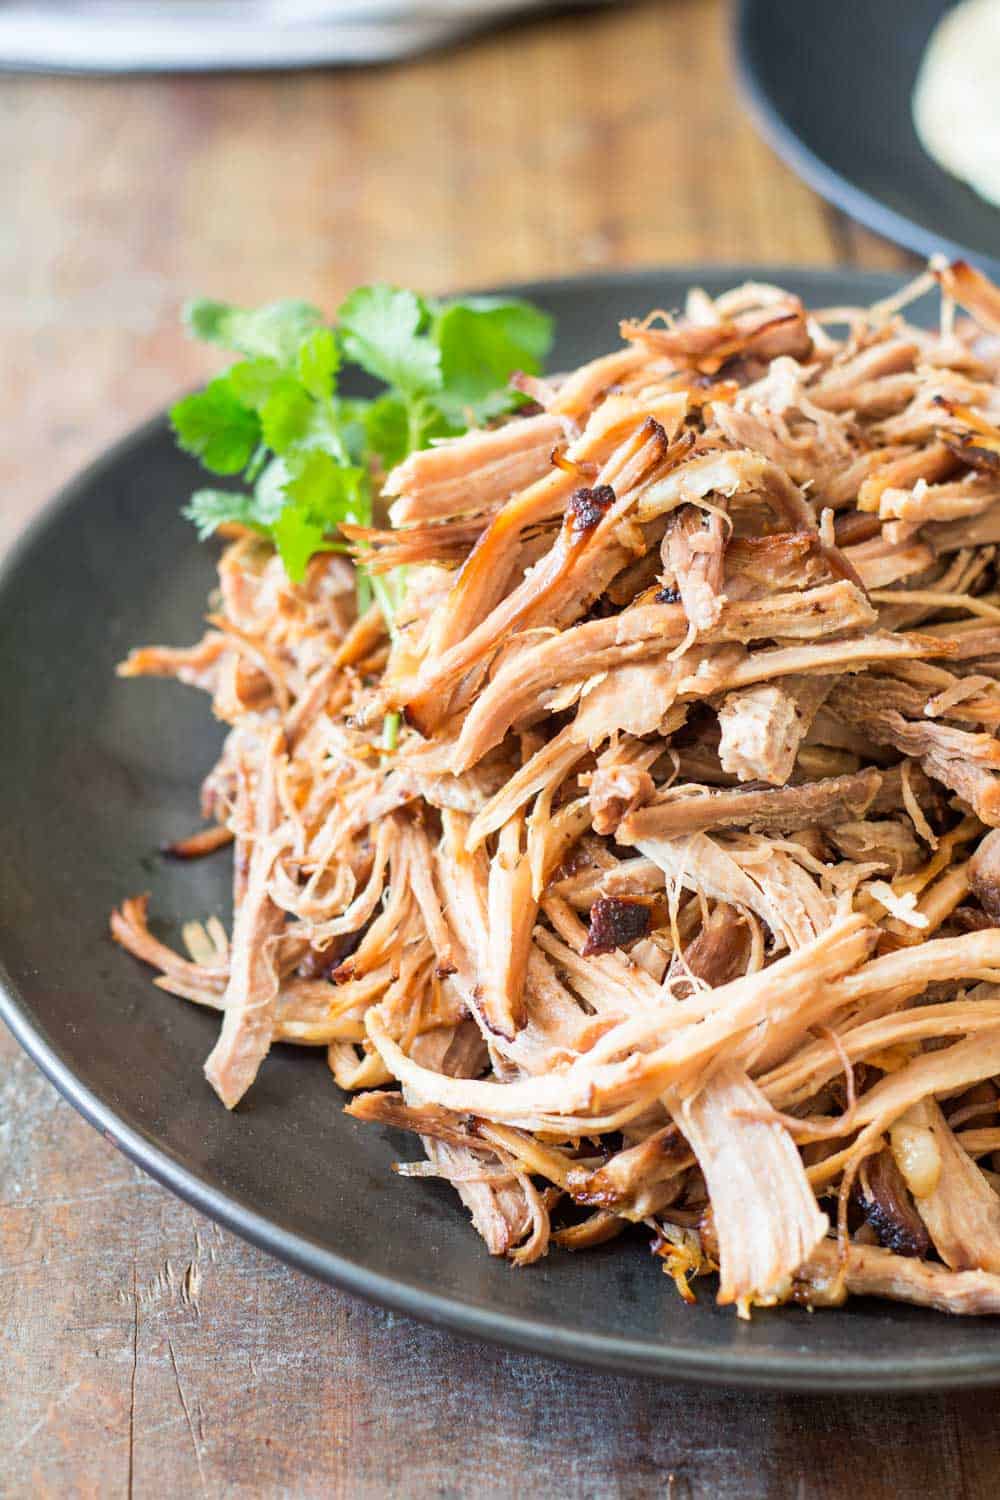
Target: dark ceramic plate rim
<point>828,182</point>
<point>754,1369</point>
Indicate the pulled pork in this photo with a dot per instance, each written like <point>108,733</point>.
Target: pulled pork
<point>671,897</point>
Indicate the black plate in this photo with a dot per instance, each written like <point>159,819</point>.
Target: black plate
<point>97,772</point>
<point>830,83</point>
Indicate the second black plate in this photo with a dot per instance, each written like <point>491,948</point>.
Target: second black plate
<point>830,85</point>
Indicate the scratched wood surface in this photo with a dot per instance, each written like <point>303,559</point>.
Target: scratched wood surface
<point>141,1349</point>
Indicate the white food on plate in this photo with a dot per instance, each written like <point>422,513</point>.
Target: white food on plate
<point>956,101</point>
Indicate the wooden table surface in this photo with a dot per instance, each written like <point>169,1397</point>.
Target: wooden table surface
<point>141,1349</point>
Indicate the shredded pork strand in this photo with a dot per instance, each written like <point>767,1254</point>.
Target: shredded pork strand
<point>673,898</point>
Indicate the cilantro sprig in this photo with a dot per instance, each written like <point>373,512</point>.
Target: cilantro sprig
<point>309,456</point>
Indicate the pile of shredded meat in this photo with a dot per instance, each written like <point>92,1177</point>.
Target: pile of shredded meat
<point>674,900</point>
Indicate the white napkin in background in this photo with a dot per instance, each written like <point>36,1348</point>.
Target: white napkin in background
<point>126,36</point>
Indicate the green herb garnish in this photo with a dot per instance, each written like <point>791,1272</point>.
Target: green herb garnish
<point>307,454</point>
<point>390,731</point>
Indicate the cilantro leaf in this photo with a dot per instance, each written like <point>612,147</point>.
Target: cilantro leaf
<point>216,427</point>
<point>380,330</point>
<point>254,380</point>
<point>350,416</point>
<point>317,363</point>
<point>323,493</point>
<point>387,429</point>
<point>298,538</point>
<point>394,427</point>
<point>330,491</point>
<point>428,421</point>
<point>274,331</point>
<point>209,509</point>
<point>286,416</point>
<point>269,495</point>
<point>483,342</point>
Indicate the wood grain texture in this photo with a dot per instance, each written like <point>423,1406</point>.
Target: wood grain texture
<point>615,138</point>
<point>141,1349</point>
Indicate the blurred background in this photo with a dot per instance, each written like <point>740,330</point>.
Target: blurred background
<point>532,144</point>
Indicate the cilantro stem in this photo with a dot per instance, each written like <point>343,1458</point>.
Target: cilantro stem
<point>386,603</point>
<point>390,731</point>
<point>337,444</point>
<point>363,584</point>
<point>256,464</point>
<point>414,417</point>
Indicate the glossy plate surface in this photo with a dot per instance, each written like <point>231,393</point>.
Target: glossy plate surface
<point>830,86</point>
<point>98,772</point>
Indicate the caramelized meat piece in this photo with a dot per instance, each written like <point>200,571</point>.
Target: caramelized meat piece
<point>885,1201</point>
<point>615,922</point>
<point>590,506</point>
